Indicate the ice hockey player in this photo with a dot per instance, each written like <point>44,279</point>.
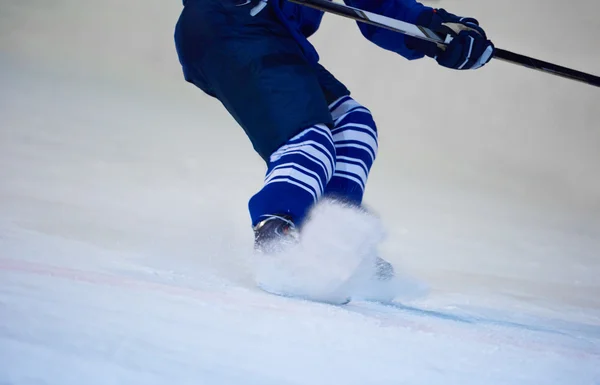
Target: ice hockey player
<point>316,140</point>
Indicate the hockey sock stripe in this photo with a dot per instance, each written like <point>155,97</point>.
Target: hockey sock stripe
<point>350,178</point>
<point>317,132</point>
<point>349,169</point>
<point>356,161</point>
<point>339,102</point>
<point>317,138</point>
<point>356,114</point>
<point>319,129</point>
<point>342,106</point>
<point>357,146</point>
<point>323,162</point>
<point>291,168</point>
<point>345,107</point>
<point>297,176</point>
<point>314,150</point>
<point>358,137</point>
<point>293,174</point>
<point>310,146</point>
<point>340,119</point>
<point>295,183</point>
<point>355,127</point>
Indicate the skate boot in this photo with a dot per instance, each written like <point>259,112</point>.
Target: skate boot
<point>274,234</point>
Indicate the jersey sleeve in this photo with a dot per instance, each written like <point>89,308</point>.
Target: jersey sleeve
<point>405,10</point>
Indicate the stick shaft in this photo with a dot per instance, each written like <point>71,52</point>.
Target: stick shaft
<point>546,67</point>
<point>429,35</point>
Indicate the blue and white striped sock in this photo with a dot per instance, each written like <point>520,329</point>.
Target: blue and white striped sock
<point>355,139</point>
<point>297,175</point>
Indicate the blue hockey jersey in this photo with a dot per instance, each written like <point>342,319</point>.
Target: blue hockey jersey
<point>304,21</point>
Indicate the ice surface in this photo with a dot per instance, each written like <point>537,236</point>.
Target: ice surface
<point>124,235</point>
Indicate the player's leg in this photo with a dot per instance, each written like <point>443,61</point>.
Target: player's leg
<point>355,139</point>
<point>257,70</point>
<point>296,178</point>
<point>356,143</point>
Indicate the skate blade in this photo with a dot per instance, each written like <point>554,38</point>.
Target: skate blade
<point>328,300</point>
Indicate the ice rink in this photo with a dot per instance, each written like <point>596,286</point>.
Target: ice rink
<point>125,244</point>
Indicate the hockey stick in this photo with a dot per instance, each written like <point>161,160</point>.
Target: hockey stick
<point>429,35</point>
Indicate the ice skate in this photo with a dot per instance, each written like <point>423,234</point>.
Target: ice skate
<point>274,233</point>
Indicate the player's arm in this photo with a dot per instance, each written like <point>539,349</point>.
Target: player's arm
<point>405,10</point>
<point>469,48</point>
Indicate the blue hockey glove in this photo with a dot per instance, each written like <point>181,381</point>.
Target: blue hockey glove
<point>469,47</point>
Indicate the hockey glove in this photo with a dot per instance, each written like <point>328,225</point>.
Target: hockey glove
<point>468,46</point>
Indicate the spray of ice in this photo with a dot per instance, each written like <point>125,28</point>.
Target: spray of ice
<point>334,261</point>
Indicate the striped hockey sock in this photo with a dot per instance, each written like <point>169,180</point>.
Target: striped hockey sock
<point>355,139</point>
<point>297,175</point>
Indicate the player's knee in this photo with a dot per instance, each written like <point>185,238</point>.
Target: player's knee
<point>346,110</point>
